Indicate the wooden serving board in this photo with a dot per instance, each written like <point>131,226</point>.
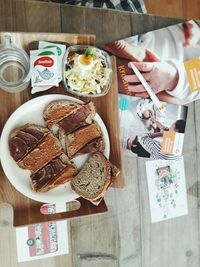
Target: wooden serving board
<point>27,211</point>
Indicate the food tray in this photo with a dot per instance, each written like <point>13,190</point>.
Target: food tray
<point>27,211</point>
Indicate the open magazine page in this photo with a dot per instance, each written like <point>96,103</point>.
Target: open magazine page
<point>146,132</point>
<point>164,59</point>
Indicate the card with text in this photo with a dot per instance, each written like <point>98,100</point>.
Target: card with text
<point>43,240</point>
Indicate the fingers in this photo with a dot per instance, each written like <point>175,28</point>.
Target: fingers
<point>143,66</point>
<point>134,79</point>
<point>125,50</point>
<point>131,78</point>
<point>142,95</point>
<point>136,88</point>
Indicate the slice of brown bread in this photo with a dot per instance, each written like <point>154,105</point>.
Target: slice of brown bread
<point>48,149</point>
<point>81,137</point>
<point>24,139</point>
<point>114,172</point>
<point>78,118</point>
<point>57,110</point>
<point>93,179</point>
<point>95,145</point>
<point>58,171</point>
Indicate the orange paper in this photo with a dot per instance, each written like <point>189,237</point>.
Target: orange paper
<point>192,68</point>
<point>168,142</point>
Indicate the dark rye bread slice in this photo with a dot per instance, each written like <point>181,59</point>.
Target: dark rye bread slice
<point>58,171</point>
<point>24,139</point>
<point>95,145</point>
<point>77,140</point>
<point>94,178</point>
<point>48,149</point>
<point>80,117</point>
<point>57,110</point>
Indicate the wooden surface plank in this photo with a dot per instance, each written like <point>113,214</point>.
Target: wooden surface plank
<point>179,8</point>
<point>142,23</point>
<point>119,22</point>
<point>42,17</point>
<point>95,240</point>
<point>173,242</point>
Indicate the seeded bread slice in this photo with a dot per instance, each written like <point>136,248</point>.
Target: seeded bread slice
<point>45,151</point>
<point>114,172</point>
<point>58,171</point>
<point>94,178</point>
<point>81,137</point>
<point>24,139</point>
<point>80,117</point>
<point>57,110</point>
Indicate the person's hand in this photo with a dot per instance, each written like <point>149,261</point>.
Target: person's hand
<point>161,76</point>
<point>130,51</point>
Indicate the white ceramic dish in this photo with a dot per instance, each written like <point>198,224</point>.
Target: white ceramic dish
<point>31,112</point>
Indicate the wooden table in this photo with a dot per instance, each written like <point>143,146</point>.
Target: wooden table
<point>124,236</point>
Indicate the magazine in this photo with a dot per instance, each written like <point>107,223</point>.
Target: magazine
<point>169,60</point>
<point>147,132</point>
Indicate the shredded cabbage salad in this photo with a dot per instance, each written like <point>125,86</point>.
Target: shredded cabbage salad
<point>91,79</point>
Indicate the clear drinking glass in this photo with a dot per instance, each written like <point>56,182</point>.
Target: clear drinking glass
<point>14,67</point>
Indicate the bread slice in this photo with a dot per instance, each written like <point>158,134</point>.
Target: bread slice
<point>94,178</point>
<point>80,117</point>
<point>95,145</point>
<point>24,139</point>
<point>77,140</point>
<point>58,171</point>
<point>45,151</point>
<point>114,173</point>
<point>57,110</point>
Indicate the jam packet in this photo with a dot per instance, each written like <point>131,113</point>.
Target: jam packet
<point>44,67</point>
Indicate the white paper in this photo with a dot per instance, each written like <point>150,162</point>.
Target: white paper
<point>60,51</point>
<point>167,189</point>
<point>44,67</point>
<point>43,240</point>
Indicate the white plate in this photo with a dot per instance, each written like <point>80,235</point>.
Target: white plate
<point>32,112</point>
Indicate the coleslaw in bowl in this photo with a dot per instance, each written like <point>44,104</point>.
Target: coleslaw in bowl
<point>87,71</point>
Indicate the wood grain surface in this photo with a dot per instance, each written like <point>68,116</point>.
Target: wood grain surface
<point>170,8</point>
<point>124,235</point>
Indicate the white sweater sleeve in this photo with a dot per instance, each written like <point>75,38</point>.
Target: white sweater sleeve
<point>182,90</point>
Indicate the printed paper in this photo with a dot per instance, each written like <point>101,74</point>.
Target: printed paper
<point>167,189</point>
<point>192,68</point>
<point>42,240</point>
<point>147,132</point>
<point>162,58</point>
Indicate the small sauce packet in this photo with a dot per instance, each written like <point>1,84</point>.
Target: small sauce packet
<point>44,67</point>
<point>60,52</point>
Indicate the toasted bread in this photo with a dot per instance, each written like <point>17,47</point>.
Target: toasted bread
<point>58,171</point>
<point>80,117</point>
<point>45,151</point>
<point>81,137</point>
<point>24,139</point>
<point>57,110</point>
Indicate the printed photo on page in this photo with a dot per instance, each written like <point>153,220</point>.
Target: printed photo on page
<point>167,189</point>
<point>146,132</point>
<point>169,60</point>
